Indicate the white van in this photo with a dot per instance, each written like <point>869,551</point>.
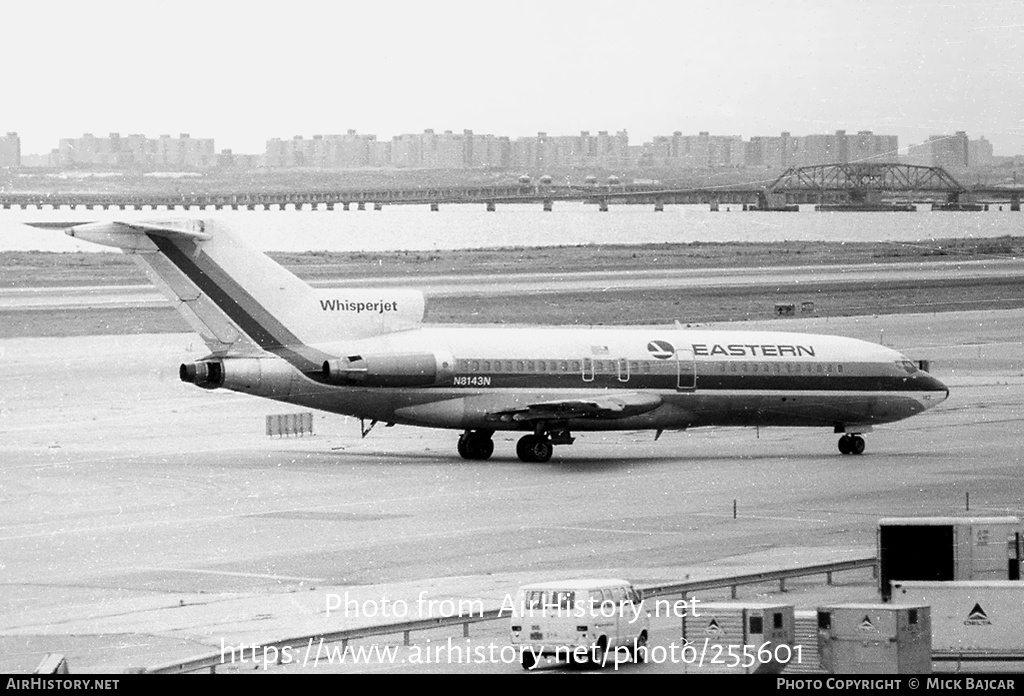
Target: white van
<point>580,622</point>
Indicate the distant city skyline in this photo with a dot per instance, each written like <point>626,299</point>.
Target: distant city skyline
<point>468,150</point>
<point>904,145</point>
<point>221,70</point>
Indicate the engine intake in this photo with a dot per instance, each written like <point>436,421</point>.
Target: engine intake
<point>398,370</point>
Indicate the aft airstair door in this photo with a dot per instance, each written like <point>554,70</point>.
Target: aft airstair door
<point>686,370</point>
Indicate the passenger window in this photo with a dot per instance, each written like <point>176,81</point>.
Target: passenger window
<point>487,365</point>
<point>839,367</point>
<point>563,366</point>
<point>575,366</point>
<point>541,365</point>
<point>519,366</point>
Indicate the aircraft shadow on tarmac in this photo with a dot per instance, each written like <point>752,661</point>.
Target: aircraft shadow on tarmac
<point>567,463</point>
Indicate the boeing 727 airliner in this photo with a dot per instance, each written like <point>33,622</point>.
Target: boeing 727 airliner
<point>367,354</point>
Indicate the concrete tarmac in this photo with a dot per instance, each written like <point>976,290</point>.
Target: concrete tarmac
<point>144,520</point>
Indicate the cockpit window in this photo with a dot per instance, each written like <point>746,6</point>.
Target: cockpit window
<point>907,365</point>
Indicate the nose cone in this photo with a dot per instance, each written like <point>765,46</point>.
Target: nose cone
<point>935,391</point>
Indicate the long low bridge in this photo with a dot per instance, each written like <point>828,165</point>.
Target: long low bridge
<point>853,186</point>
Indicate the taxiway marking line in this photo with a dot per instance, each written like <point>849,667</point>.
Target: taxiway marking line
<point>202,571</point>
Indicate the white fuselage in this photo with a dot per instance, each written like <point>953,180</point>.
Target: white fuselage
<point>702,377</point>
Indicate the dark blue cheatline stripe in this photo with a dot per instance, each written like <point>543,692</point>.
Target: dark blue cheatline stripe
<point>241,307</point>
<point>705,383</point>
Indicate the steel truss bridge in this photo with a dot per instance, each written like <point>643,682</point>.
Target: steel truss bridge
<point>851,185</point>
<point>862,183</point>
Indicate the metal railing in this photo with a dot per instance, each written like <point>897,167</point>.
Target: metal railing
<point>211,661</point>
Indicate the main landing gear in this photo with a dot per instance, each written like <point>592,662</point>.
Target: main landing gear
<point>851,444</point>
<point>534,448</point>
<point>537,447</point>
<point>476,444</point>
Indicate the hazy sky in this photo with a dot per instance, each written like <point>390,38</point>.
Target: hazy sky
<point>245,72</point>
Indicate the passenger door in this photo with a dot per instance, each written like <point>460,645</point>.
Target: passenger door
<point>686,370</point>
<point>588,369</point>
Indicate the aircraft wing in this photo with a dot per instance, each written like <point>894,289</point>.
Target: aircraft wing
<point>608,406</point>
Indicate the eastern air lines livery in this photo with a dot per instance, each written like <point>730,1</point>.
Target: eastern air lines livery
<point>365,353</point>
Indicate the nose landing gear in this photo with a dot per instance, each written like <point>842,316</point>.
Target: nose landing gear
<point>851,444</point>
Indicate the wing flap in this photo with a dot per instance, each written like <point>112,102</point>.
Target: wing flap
<point>606,406</point>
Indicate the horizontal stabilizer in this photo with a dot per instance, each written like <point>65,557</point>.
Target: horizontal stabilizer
<point>130,236</point>
<point>56,225</point>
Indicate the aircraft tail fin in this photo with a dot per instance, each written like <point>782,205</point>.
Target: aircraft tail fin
<point>240,300</point>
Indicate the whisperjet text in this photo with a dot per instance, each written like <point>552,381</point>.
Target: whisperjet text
<point>752,350</point>
<point>358,307</point>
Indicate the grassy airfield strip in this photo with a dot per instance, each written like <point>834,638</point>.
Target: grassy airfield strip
<point>946,292</point>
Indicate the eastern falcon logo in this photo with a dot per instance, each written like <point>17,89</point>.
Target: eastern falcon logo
<point>662,350</point>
